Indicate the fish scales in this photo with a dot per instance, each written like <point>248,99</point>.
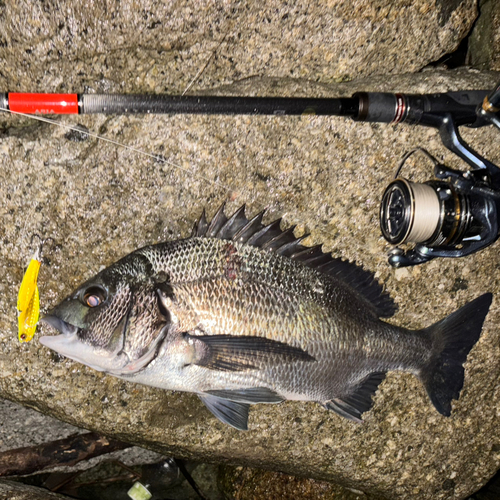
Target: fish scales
<point>282,297</point>
<point>243,313</point>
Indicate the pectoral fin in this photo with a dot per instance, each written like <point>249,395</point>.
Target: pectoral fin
<point>228,412</point>
<point>251,395</point>
<point>231,353</point>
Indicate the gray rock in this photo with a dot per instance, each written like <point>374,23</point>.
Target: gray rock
<point>157,46</point>
<point>38,428</point>
<point>16,491</point>
<point>326,174</point>
<point>484,41</point>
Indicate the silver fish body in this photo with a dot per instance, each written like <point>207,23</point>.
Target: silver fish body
<point>242,313</point>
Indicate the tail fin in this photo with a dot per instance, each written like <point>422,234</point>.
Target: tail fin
<point>453,338</point>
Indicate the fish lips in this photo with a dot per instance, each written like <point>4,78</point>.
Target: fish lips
<point>60,325</point>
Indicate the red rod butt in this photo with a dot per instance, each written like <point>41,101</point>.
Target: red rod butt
<point>45,104</point>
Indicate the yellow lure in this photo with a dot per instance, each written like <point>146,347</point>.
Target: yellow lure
<point>28,300</point>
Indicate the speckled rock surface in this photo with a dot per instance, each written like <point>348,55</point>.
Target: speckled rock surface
<point>99,201</point>
<point>484,42</point>
<point>16,491</point>
<point>156,46</point>
<point>242,483</point>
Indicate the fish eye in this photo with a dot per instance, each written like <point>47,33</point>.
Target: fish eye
<point>94,296</point>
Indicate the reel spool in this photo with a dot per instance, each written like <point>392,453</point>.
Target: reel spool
<point>432,213</point>
<point>444,218</point>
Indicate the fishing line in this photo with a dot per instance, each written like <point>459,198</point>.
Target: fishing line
<point>192,82</point>
<point>157,158</point>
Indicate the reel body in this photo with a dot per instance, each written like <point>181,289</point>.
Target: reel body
<point>453,215</point>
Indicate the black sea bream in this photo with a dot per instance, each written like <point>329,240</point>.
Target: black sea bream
<point>242,313</point>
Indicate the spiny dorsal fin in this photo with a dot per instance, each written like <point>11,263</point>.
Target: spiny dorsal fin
<point>249,229</point>
<point>272,238</point>
<point>200,227</point>
<point>217,223</point>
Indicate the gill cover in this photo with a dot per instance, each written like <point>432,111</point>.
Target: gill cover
<point>113,322</point>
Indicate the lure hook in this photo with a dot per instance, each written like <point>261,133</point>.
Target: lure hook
<point>39,251</point>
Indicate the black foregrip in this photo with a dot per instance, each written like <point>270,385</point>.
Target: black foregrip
<point>376,107</point>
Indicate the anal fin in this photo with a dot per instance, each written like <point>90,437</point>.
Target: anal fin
<point>353,404</point>
<point>228,412</point>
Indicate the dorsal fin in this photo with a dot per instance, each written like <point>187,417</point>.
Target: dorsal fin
<point>200,227</point>
<point>272,238</point>
<point>217,224</point>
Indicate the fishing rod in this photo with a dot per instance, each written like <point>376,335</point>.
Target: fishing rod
<point>363,106</point>
<point>453,216</point>
<point>445,111</point>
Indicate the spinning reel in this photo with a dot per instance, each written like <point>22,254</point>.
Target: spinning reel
<point>454,214</point>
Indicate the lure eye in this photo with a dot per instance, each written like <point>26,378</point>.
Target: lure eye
<point>94,296</point>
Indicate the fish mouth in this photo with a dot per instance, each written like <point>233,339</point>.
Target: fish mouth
<point>117,363</point>
<point>60,325</point>
<point>71,346</point>
<point>67,343</point>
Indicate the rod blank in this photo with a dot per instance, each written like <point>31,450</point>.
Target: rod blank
<point>161,103</point>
